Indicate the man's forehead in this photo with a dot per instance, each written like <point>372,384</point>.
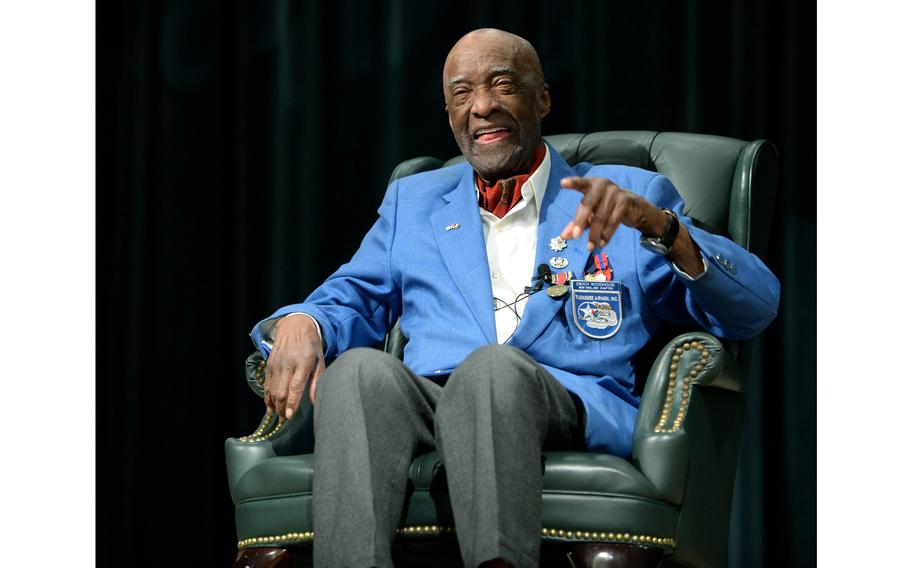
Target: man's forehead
<point>492,71</point>
<point>481,61</point>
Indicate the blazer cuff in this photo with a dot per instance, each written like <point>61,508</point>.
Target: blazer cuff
<point>267,329</point>
<point>679,272</point>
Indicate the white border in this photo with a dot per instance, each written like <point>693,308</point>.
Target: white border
<point>863,196</point>
<point>47,301</point>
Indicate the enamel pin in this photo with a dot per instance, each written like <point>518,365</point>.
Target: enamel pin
<point>597,307</point>
<point>557,244</point>
<point>559,262</point>
<point>452,226</point>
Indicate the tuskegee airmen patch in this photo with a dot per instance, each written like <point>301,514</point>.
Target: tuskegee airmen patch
<point>597,307</point>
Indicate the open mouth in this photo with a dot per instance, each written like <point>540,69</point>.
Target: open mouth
<point>492,134</point>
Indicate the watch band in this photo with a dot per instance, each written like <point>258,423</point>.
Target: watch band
<point>663,244</point>
<point>669,236</point>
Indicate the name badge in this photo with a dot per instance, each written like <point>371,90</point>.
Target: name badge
<point>597,307</point>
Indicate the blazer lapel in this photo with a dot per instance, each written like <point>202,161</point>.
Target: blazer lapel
<point>557,209</point>
<point>459,235</point>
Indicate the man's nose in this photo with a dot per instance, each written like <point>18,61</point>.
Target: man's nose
<point>483,103</point>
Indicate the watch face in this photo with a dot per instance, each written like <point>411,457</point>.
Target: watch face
<point>654,245</point>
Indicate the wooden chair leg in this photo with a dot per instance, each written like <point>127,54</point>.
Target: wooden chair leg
<point>605,555</point>
<point>579,555</point>
<point>262,557</point>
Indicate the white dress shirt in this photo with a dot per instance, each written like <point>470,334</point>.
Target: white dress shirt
<point>511,249</point>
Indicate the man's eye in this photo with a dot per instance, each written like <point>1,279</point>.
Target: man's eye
<point>504,86</point>
<point>460,95</point>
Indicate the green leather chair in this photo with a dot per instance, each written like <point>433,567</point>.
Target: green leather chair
<point>670,503</point>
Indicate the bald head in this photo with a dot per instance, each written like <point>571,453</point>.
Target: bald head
<point>492,40</point>
<point>496,97</point>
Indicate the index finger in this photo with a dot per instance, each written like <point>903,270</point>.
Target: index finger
<point>578,183</point>
<point>295,391</point>
<point>593,197</point>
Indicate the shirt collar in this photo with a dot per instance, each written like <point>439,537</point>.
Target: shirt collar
<point>538,182</point>
<point>535,187</point>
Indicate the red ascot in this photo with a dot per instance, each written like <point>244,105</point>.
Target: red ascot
<point>502,196</point>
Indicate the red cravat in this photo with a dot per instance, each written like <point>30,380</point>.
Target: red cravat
<point>502,196</point>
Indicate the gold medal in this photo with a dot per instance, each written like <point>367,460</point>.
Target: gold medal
<point>557,290</point>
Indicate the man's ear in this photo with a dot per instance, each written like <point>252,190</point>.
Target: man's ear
<point>543,101</point>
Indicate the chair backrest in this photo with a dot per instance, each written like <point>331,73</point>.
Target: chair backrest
<point>728,185</point>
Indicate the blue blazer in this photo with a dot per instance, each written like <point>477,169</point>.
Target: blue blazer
<point>437,281</point>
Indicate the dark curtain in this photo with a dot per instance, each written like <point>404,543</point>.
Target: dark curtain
<point>244,146</point>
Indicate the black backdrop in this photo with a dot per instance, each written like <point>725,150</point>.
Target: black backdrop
<point>227,137</point>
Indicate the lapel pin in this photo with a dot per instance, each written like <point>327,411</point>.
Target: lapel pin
<point>559,262</point>
<point>557,244</point>
<point>452,226</point>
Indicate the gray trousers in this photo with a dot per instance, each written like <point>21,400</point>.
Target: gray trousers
<point>496,413</point>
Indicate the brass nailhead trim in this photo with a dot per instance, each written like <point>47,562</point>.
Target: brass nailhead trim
<point>608,537</point>
<point>295,537</point>
<point>425,529</point>
<point>686,386</point>
<point>276,539</point>
<point>307,536</point>
<point>259,435</point>
<point>259,371</point>
<point>259,431</point>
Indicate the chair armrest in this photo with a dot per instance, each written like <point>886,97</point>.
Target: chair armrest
<point>254,367</point>
<point>660,444</point>
<point>686,440</point>
<point>273,437</point>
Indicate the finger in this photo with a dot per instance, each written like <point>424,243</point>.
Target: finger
<point>578,183</point>
<point>295,392</point>
<point>625,210</point>
<point>585,211</point>
<point>320,367</point>
<point>614,221</point>
<point>266,394</point>
<point>598,220</point>
<point>280,389</point>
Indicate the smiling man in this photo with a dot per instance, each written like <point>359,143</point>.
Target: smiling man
<point>525,287</point>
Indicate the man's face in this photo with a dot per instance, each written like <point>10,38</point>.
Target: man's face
<point>495,103</point>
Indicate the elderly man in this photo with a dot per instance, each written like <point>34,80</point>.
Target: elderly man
<point>505,359</point>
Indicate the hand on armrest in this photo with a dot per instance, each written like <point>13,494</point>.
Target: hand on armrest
<point>295,362</point>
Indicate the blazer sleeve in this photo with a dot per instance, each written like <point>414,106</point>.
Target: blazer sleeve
<point>735,298</point>
<point>355,304</point>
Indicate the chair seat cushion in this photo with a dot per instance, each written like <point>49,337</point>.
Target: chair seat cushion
<point>584,494</point>
<point>276,477</point>
<point>572,472</point>
<point>564,472</point>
